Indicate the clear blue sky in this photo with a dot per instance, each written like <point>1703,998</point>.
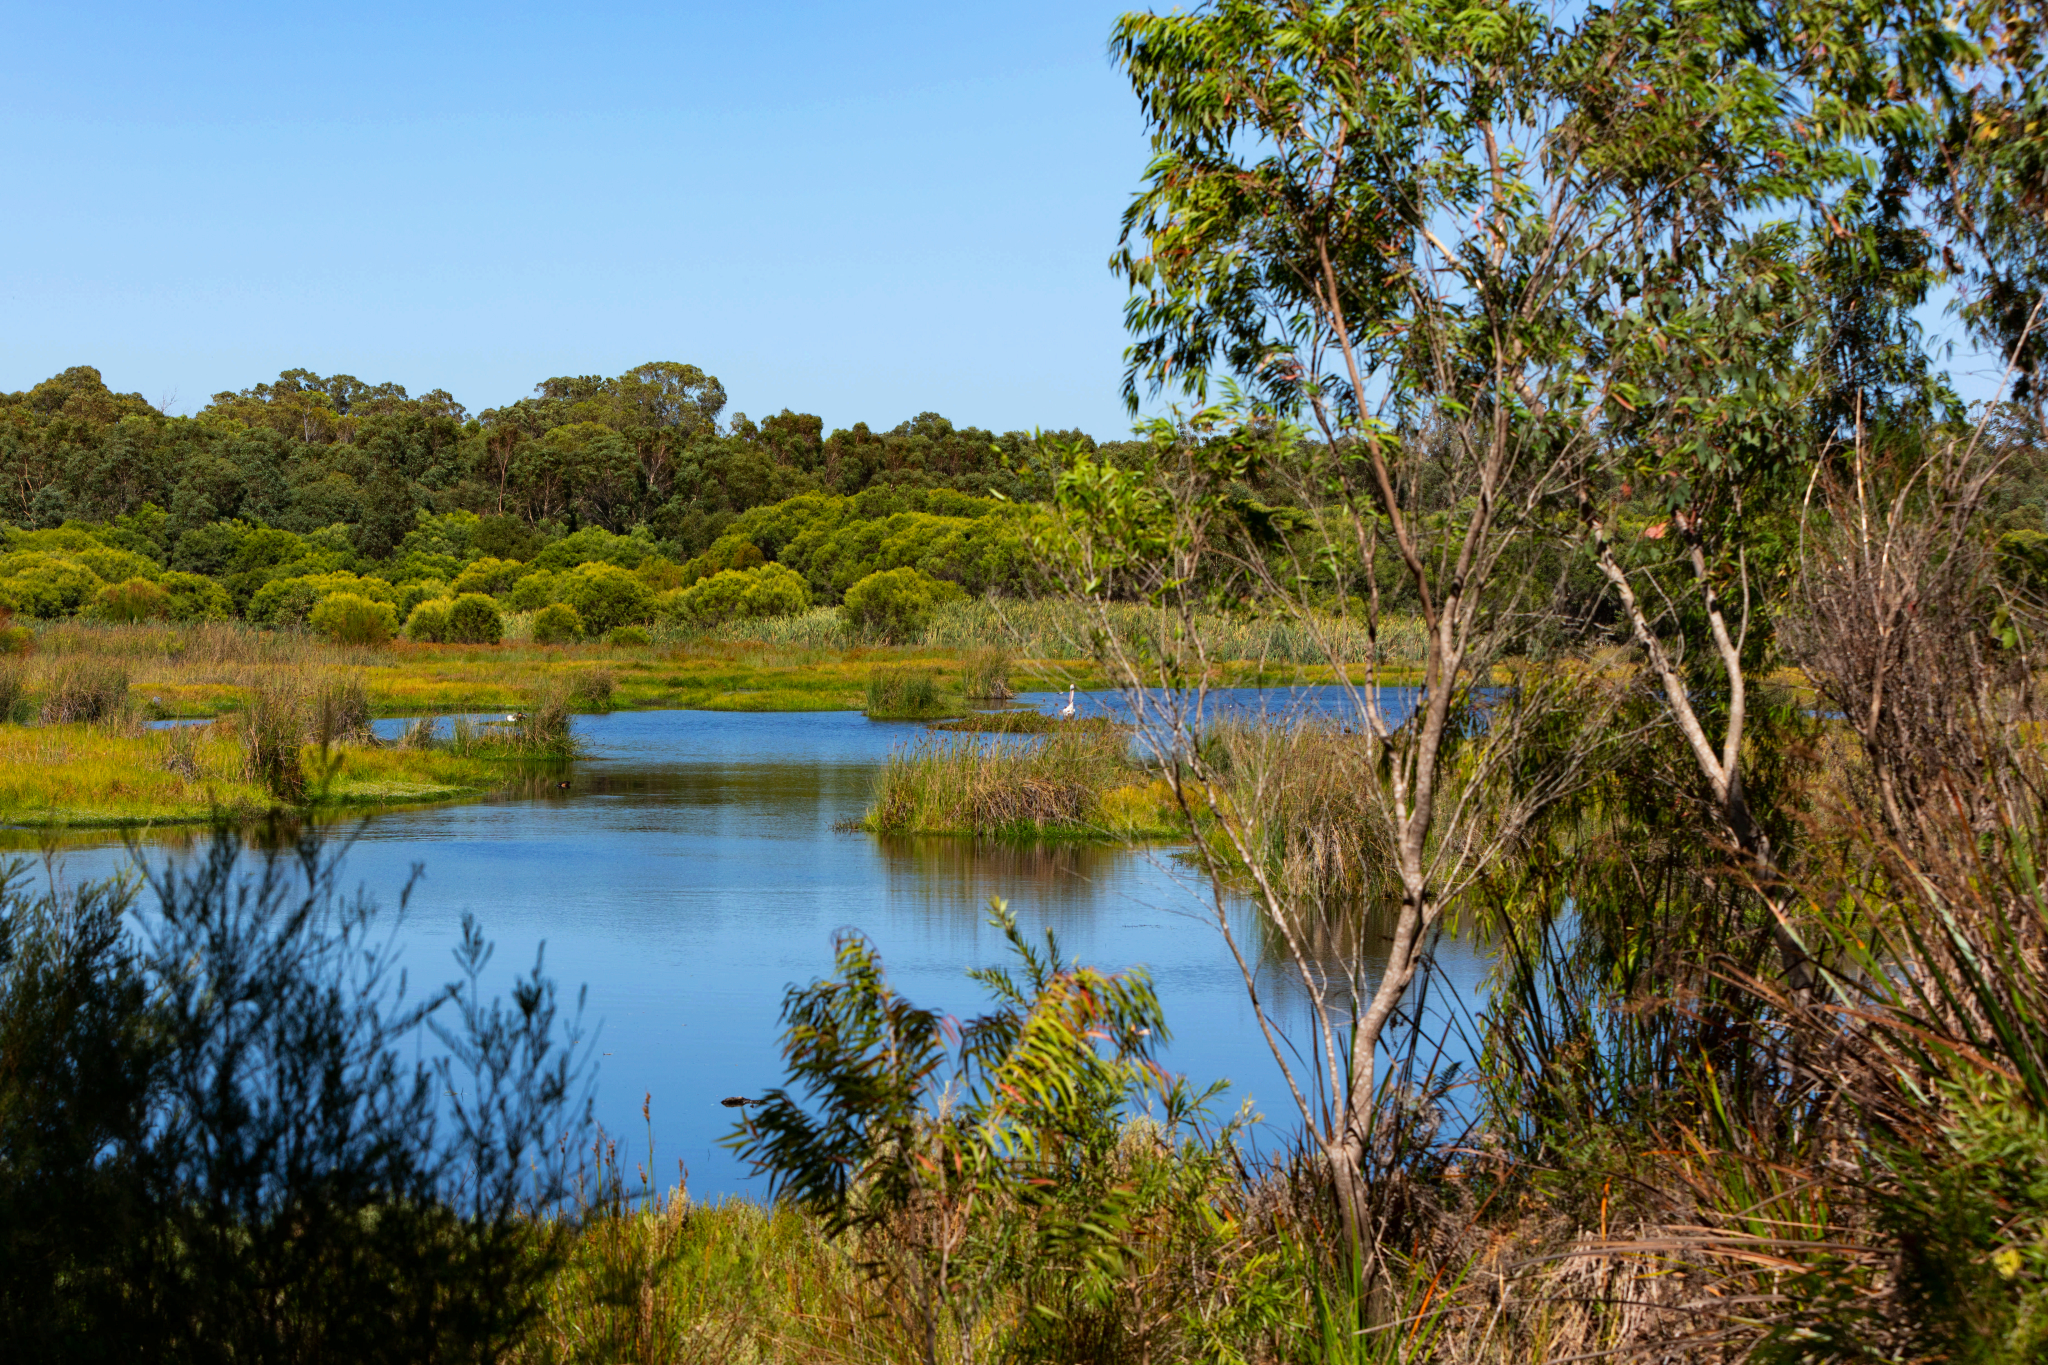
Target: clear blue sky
<point>862,211</point>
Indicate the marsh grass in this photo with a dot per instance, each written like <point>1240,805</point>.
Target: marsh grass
<point>985,673</point>
<point>86,691</point>
<point>1078,782</point>
<point>904,692</point>
<point>1053,628</point>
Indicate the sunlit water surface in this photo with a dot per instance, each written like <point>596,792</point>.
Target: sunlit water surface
<point>691,872</point>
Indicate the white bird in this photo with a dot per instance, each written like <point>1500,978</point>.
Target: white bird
<point>1067,711</point>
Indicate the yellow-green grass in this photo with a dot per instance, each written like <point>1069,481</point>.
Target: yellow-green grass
<point>209,670</point>
<point>1080,783</point>
<point>86,775</point>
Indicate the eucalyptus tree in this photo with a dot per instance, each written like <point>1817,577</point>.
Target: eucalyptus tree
<point>1440,252</point>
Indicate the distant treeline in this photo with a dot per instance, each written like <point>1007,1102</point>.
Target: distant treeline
<point>650,448</point>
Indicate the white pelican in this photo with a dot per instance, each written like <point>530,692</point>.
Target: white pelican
<point>1067,711</point>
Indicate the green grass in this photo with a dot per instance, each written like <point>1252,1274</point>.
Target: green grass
<point>99,776</point>
<point>1080,783</point>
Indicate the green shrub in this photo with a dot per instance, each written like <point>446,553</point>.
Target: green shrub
<point>195,597</point>
<point>733,594</point>
<point>291,601</point>
<point>557,625</point>
<point>420,590</point>
<point>606,595</point>
<point>351,619</point>
<point>896,604</point>
<point>727,552</point>
<point>474,620</point>
<point>428,622</point>
<point>492,576</point>
<point>534,591</point>
<point>138,599</point>
<point>45,585</point>
<point>627,637</point>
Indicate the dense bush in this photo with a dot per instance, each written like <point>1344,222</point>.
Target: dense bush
<point>630,637</point>
<point>428,622</point>
<point>605,595</point>
<point>474,620</point>
<point>138,599</point>
<point>195,597</point>
<point>351,619</point>
<point>735,594</point>
<point>896,604</point>
<point>557,625</point>
<point>488,575</point>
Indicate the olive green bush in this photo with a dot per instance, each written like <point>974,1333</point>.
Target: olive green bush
<point>351,619</point>
<point>557,625</point>
<point>896,604</point>
<point>473,619</point>
<point>428,622</point>
<point>606,595</point>
<point>137,599</point>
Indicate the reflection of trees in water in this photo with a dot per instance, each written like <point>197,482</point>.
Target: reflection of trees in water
<point>950,879</point>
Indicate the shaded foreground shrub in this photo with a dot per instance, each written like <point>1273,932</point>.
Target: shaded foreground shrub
<point>995,1195</point>
<point>217,1142</point>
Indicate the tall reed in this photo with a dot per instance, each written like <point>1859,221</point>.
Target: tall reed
<point>87,690</point>
<point>957,784</point>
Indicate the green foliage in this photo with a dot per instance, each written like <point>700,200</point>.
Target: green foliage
<point>533,591</point>
<point>627,637</point>
<point>428,622</point>
<point>903,693</point>
<point>963,1157</point>
<point>737,594</point>
<point>487,575</point>
<point>138,599</point>
<point>727,552</point>
<point>473,619</point>
<point>291,601</point>
<point>895,604</point>
<point>605,595</point>
<point>352,619</point>
<point>557,625</point>
<point>196,598</point>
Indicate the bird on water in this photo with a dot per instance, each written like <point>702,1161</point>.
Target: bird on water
<point>1067,711</point>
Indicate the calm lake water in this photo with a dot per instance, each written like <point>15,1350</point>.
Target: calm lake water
<point>691,873</point>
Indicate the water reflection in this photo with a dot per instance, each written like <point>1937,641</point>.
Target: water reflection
<point>695,867</point>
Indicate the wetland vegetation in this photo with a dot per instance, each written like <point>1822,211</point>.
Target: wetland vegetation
<point>1555,385</point>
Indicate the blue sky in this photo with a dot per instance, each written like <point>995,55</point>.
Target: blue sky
<point>864,212</point>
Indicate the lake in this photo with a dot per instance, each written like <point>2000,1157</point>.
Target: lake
<point>691,872</point>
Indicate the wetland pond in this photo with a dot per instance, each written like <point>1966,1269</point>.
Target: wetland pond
<point>691,871</point>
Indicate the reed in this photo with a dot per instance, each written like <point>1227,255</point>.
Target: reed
<point>1078,782</point>
<point>86,691</point>
<point>904,692</point>
<point>985,673</point>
